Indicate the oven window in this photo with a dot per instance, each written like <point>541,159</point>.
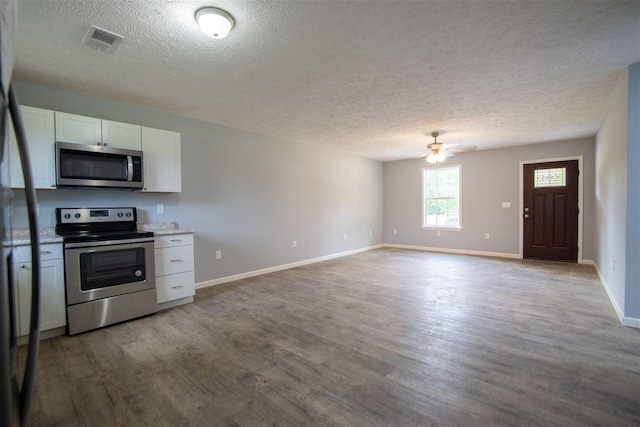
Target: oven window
<point>102,166</point>
<point>111,268</point>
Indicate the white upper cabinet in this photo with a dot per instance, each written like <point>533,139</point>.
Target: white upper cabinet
<point>39,129</point>
<point>91,131</point>
<point>161,161</point>
<point>78,129</point>
<point>121,135</point>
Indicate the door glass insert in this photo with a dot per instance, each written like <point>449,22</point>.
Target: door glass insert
<point>556,177</point>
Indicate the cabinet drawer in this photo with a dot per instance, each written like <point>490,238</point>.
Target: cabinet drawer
<point>173,260</point>
<point>175,286</point>
<point>173,240</point>
<point>47,252</point>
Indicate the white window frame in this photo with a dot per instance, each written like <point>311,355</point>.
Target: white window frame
<point>424,201</point>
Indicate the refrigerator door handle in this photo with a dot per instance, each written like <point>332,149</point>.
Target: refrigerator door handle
<point>28,381</point>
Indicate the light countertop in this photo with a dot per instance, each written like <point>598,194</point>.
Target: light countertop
<point>48,234</point>
<point>164,228</point>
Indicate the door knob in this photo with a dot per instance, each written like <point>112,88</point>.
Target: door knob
<point>526,215</point>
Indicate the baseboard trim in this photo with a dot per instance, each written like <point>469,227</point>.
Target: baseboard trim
<point>454,251</point>
<point>175,303</point>
<point>267,270</point>
<point>44,335</point>
<point>587,262</point>
<point>626,321</point>
<point>632,322</point>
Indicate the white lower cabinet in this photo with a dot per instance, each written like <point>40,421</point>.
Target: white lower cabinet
<point>52,301</point>
<point>175,278</point>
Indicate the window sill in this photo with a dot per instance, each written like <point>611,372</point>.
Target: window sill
<point>436,228</point>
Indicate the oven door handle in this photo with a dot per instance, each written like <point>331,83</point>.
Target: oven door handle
<point>129,168</point>
<point>107,243</point>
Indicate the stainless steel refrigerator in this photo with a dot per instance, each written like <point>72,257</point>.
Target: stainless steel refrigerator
<point>16,381</point>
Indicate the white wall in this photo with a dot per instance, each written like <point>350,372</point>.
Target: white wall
<point>489,177</point>
<point>632,273</point>
<point>611,198</point>
<point>245,194</point>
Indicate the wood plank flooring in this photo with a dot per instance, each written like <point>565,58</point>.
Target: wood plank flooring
<point>383,338</point>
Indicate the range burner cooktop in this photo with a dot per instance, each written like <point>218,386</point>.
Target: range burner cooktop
<point>103,235</point>
<point>98,224</point>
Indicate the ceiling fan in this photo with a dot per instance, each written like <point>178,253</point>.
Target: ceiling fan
<point>439,151</point>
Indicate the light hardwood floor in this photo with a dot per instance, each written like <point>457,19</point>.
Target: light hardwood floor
<point>387,337</point>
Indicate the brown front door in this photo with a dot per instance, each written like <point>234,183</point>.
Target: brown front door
<point>550,214</point>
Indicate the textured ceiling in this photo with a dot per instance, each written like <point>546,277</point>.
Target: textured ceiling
<point>372,78</point>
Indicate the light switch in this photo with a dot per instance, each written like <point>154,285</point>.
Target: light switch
<point>160,208</point>
<point>506,205</point>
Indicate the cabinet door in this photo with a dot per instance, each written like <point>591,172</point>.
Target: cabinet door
<point>39,129</point>
<point>121,135</point>
<point>78,129</point>
<point>52,302</point>
<point>162,164</point>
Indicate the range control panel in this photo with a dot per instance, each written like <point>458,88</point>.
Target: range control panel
<point>88,215</point>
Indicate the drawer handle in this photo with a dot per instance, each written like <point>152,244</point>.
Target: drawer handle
<point>24,266</point>
<point>45,252</point>
<point>177,287</point>
<point>176,240</point>
<point>176,260</point>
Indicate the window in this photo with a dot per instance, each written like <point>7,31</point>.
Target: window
<point>556,177</point>
<point>441,197</point>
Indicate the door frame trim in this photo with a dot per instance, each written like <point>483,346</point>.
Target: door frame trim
<point>580,199</point>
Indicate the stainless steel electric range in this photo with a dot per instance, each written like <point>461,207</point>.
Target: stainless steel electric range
<point>109,267</point>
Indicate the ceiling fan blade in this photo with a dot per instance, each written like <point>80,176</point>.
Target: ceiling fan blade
<point>460,148</point>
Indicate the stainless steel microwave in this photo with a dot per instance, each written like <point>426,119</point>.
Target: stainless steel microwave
<point>95,166</point>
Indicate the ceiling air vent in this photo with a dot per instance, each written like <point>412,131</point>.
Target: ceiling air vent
<point>101,40</point>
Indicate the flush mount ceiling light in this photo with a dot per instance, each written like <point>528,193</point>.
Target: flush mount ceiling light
<point>215,23</point>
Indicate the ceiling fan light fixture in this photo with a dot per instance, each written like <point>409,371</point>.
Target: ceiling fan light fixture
<point>215,23</point>
<point>436,155</point>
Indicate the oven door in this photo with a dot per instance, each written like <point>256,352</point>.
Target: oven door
<point>97,270</point>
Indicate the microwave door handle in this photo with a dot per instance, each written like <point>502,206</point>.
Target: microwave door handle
<point>129,168</point>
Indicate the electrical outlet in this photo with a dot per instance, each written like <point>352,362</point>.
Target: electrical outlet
<point>438,233</point>
<point>160,208</point>
<point>218,254</point>
<point>370,232</point>
<point>487,236</point>
<point>295,243</point>
<point>395,231</point>
<point>345,236</point>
